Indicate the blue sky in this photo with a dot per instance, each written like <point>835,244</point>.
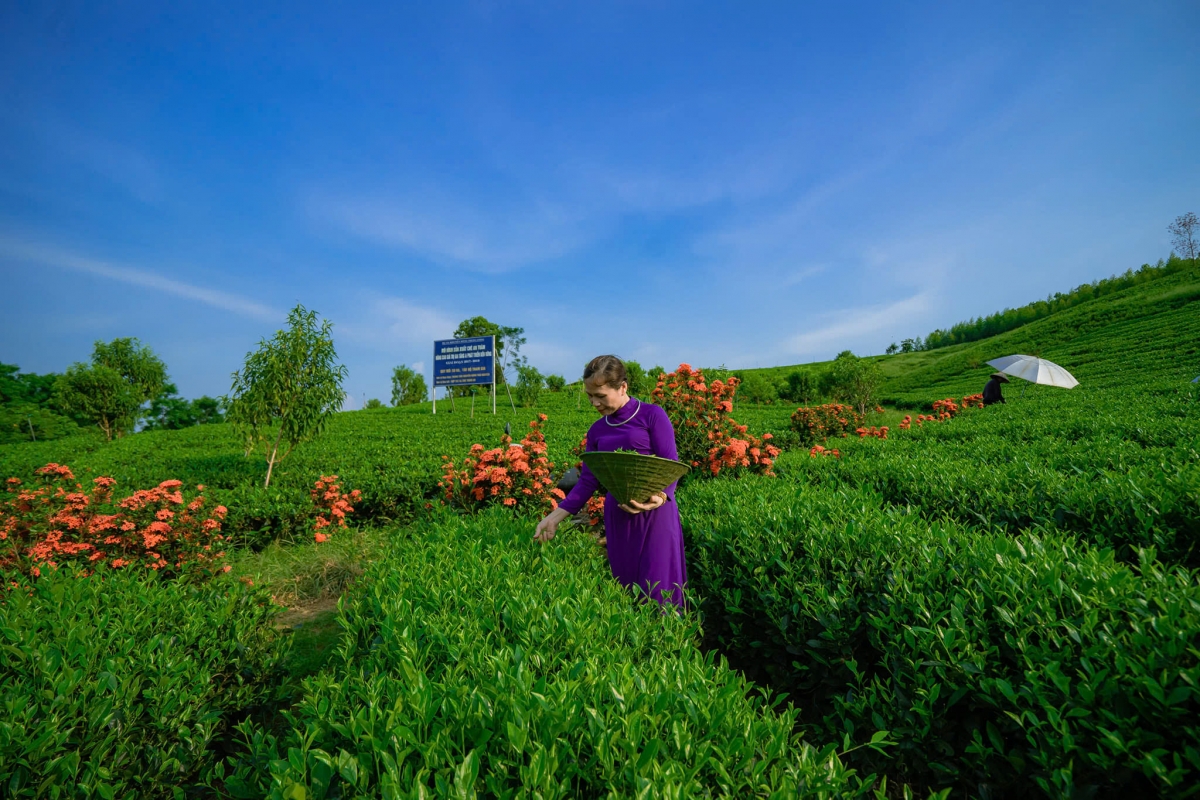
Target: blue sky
<point>746,184</point>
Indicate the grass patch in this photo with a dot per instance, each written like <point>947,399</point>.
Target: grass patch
<point>303,574</point>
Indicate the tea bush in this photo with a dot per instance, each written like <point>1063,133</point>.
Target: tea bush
<point>475,663</point>
<point>1121,472</point>
<point>1001,664</point>
<point>118,684</point>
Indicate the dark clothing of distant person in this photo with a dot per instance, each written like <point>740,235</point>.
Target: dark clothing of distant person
<point>991,392</point>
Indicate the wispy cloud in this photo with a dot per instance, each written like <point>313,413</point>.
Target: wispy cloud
<point>52,257</point>
<point>397,320</point>
<point>856,324</point>
<point>123,165</point>
<point>495,240</point>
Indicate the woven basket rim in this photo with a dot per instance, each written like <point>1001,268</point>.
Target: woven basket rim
<point>633,476</point>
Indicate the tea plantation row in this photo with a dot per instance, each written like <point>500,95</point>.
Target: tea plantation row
<point>1001,664</point>
<point>471,663</point>
<point>1114,467</point>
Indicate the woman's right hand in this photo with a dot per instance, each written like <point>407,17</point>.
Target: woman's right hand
<point>549,525</point>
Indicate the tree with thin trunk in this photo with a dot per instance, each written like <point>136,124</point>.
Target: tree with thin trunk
<point>1184,231</point>
<point>408,387</point>
<point>112,390</point>
<point>289,389</point>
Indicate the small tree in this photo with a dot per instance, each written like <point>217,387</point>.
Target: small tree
<point>640,384</point>
<point>855,380</point>
<point>289,389</point>
<point>555,383</point>
<point>97,395</point>
<point>169,411</point>
<point>373,403</point>
<point>892,349</point>
<point>801,387</point>
<point>529,384</point>
<point>110,392</point>
<point>508,341</point>
<point>408,387</point>
<point>1184,230</point>
<point>754,388</point>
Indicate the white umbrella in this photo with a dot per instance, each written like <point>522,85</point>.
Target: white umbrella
<point>1035,370</point>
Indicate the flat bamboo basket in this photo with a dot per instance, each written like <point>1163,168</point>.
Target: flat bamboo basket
<point>633,476</point>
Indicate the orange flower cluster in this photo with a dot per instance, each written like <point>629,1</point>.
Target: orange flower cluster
<point>328,498</point>
<point>878,433</point>
<point>819,450</point>
<point>594,511</point>
<point>56,521</point>
<point>945,409</point>
<point>514,475</point>
<point>921,419</point>
<point>818,423</point>
<point>705,435</point>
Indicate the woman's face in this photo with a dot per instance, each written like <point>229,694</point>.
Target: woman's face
<point>605,399</point>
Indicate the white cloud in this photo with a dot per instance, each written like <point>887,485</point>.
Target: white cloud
<point>856,324</point>
<point>496,239</point>
<point>392,320</point>
<point>48,256</point>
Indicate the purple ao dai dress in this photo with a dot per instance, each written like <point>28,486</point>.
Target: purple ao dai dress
<point>644,550</point>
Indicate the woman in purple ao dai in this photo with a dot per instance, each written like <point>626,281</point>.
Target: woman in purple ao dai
<point>645,540</point>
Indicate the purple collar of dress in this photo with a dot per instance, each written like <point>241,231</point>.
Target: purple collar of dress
<point>608,419</point>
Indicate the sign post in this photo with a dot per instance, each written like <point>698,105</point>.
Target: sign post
<point>464,362</point>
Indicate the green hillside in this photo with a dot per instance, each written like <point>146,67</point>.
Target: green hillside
<point>1148,333</point>
<point>1000,604</point>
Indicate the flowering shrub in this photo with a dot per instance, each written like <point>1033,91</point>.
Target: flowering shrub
<point>594,513</point>
<point>56,521</point>
<point>878,433</point>
<point>820,450</point>
<point>818,423</point>
<point>514,475</point>
<point>945,409</point>
<point>705,435</point>
<point>329,500</point>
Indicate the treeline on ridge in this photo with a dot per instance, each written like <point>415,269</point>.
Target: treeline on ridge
<point>1010,318</point>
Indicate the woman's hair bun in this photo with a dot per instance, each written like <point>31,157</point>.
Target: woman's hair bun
<point>606,371</point>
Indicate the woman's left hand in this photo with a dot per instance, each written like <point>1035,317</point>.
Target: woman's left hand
<point>634,507</point>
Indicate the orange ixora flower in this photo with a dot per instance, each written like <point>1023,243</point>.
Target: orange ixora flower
<point>705,435</point>
<point>332,505</point>
<point>517,476</point>
<point>55,521</point>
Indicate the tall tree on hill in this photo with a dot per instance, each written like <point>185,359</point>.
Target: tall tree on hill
<point>289,388</point>
<point>508,342</point>
<point>855,380</point>
<point>408,386</point>
<point>800,387</point>
<point>1184,231</point>
<point>112,390</point>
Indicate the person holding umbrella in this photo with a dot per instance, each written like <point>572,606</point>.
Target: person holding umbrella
<point>991,392</point>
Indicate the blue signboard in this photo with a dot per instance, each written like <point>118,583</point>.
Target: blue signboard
<point>464,362</point>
